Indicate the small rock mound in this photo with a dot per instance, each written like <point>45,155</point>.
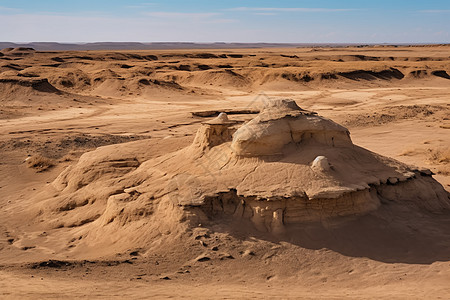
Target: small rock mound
<point>214,132</point>
<point>320,163</point>
<point>15,87</point>
<point>19,51</point>
<point>282,122</point>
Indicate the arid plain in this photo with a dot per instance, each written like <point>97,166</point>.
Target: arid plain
<point>56,106</point>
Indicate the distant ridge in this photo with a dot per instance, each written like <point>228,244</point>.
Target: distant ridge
<point>53,46</point>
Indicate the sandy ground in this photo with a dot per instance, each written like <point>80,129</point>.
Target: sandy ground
<point>395,102</point>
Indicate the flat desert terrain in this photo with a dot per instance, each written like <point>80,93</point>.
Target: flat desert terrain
<point>93,143</point>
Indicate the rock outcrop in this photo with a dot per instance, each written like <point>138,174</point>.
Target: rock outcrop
<point>214,132</point>
<point>281,123</point>
<point>285,167</point>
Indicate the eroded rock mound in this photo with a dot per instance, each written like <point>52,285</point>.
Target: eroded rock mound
<point>285,167</point>
<point>281,123</point>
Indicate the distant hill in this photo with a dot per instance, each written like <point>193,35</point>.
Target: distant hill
<point>49,46</point>
<point>52,46</point>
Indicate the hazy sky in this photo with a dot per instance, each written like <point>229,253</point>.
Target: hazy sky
<point>318,21</point>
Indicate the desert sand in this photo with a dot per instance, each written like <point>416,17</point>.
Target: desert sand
<point>328,177</point>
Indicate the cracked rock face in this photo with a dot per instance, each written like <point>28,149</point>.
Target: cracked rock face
<point>286,166</point>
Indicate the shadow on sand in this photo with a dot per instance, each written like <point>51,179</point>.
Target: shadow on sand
<point>393,234</point>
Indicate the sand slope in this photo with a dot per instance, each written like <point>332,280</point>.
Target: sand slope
<point>394,101</point>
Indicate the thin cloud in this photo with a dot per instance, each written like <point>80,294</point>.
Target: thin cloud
<point>141,5</point>
<point>78,28</point>
<point>9,9</point>
<point>203,18</point>
<point>435,11</point>
<point>164,14</point>
<point>290,9</point>
<point>265,13</point>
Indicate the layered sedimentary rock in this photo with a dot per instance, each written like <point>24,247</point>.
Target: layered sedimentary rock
<point>286,166</point>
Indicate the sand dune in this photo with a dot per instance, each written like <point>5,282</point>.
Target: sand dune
<point>116,180</point>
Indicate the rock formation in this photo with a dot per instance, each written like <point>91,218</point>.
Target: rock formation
<point>285,167</point>
<point>281,123</point>
<point>214,132</point>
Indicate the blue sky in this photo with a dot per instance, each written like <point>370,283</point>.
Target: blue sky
<point>319,21</point>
